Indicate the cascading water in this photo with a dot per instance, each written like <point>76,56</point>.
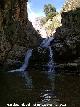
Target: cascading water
<point>50,63</point>
<point>45,44</point>
<point>26,61</point>
<point>27,57</point>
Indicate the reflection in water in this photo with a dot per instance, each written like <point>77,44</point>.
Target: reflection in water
<point>67,90</point>
<point>47,95</point>
<point>12,86</point>
<point>42,83</point>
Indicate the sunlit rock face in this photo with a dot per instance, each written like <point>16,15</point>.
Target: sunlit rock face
<point>47,29</point>
<point>35,19</point>
<point>71,5</point>
<point>52,24</point>
<point>16,31</point>
<point>37,25</point>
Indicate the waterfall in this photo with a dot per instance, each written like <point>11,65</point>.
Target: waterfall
<point>50,63</point>
<point>26,61</point>
<point>45,44</point>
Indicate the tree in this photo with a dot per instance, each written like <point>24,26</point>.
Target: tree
<point>49,8</point>
<point>50,15</point>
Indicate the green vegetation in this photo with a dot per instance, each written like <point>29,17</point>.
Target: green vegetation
<point>49,8</point>
<point>50,11</point>
<point>51,15</point>
<point>52,19</point>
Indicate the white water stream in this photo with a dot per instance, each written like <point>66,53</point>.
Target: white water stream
<point>45,44</point>
<point>26,61</point>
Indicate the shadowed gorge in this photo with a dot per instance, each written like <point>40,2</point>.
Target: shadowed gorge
<point>34,70</point>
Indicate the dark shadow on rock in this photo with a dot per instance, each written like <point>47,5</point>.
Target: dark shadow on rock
<point>67,46</point>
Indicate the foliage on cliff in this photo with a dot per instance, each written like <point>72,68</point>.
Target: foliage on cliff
<point>52,19</point>
<point>50,11</point>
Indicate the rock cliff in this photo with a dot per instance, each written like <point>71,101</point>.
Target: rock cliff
<point>52,24</point>
<point>67,36</point>
<point>71,5</point>
<point>16,31</point>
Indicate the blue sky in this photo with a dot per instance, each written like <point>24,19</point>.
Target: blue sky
<point>38,5</point>
<point>35,7</point>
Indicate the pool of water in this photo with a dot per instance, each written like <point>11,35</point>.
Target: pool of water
<point>42,89</point>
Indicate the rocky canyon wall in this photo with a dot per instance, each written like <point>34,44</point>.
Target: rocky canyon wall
<point>68,35</point>
<point>16,31</point>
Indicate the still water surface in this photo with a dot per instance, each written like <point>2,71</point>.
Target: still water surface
<point>63,89</point>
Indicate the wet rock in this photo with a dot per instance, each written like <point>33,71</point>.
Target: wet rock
<point>39,58</point>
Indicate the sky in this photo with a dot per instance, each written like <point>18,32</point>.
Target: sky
<point>35,7</point>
